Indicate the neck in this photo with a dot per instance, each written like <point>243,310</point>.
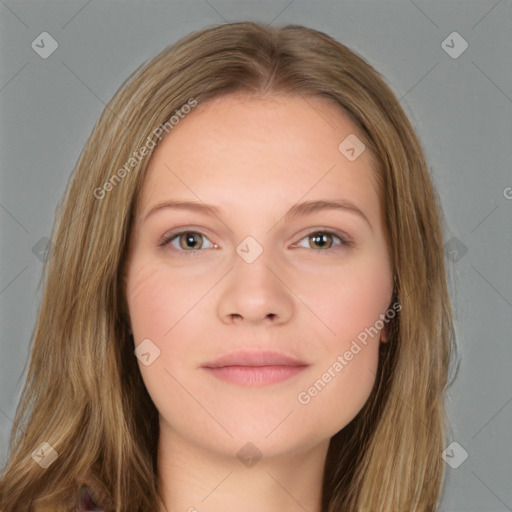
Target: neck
<point>194,478</point>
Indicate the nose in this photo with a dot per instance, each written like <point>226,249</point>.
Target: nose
<point>256,293</point>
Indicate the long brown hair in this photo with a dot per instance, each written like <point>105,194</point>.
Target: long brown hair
<point>84,395</point>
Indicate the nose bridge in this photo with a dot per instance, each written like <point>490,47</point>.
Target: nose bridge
<point>254,292</point>
<point>253,263</point>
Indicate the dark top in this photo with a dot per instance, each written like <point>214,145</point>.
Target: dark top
<point>87,500</point>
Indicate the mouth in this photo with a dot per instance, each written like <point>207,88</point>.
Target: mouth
<point>254,375</point>
<point>255,368</point>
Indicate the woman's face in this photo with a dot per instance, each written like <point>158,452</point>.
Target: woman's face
<point>257,271</point>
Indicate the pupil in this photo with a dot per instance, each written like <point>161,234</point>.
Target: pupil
<point>321,237</point>
<point>190,240</point>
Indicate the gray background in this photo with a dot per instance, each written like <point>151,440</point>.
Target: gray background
<point>460,106</point>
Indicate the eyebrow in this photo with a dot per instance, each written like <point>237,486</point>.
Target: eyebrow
<point>298,210</point>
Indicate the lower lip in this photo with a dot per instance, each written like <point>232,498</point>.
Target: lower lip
<point>255,375</point>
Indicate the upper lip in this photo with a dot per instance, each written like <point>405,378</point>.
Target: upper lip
<point>254,358</point>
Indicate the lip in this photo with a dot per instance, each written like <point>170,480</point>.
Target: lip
<point>255,358</point>
<point>252,376</point>
<point>255,368</point>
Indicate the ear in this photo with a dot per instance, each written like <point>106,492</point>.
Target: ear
<point>384,333</point>
<point>386,330</point>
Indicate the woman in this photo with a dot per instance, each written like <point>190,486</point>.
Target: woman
<point>244,365</point>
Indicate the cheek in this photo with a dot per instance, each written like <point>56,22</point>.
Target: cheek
<point>156,301</point>
<point>167,307</point>
<point>350,303</point>
<point>336,396</point>
<point>350,300</point>
<point>346,370</point>
<point>158,304</point>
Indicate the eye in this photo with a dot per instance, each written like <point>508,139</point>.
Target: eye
<point>188,241</point>
<point>192,241</point>
<point>323,240</point>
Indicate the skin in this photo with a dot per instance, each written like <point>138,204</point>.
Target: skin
<point>255,157</point>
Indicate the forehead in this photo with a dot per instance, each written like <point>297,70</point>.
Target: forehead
<point>239,149</point>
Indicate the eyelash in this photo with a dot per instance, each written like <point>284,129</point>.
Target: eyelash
<point>344,242</point>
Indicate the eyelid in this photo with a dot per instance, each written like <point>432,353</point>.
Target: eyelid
<point>169,235</point>
<point>342,235</point>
